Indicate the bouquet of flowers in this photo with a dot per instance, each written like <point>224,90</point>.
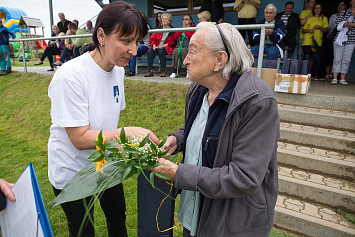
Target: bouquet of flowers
<point>114,162</point>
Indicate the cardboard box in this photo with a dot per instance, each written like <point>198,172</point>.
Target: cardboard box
<point>292,83</point>
<point>268,75</point>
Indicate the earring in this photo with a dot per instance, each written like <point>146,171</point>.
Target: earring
<point>101,44</point>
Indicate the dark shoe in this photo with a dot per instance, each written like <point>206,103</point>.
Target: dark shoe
<point>149,74</point>
<point>8,70</point>
<point>131,73</point>
<point>50,70</point>
<point>3,73</point>
<point>163,73</point>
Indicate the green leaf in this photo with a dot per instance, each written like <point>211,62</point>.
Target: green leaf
<point>130,149</point>
<point>95,155</point>
<point>162,176</point>
<point>144,141</point>
<point>113,149</point>
<point>154,148</point>
<point>88,182</point>
<point>99,158</point>
<point>152,179</point>
<point>112,144</point>
<point>161,154</point>
<point>161,144</point>
<point>126,172</point>
<point>100,140</point>
<point>158,164</point>
<point>99,144</point>
<point>123,135</point>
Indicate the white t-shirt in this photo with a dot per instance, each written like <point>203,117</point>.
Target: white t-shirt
<point>81,94</point>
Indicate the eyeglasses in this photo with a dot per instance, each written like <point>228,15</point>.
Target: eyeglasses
<point>186,19</point>
<point>224,41</point>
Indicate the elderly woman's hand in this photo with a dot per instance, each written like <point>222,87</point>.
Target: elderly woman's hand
<point>169,169</point>
<point>171,144</point>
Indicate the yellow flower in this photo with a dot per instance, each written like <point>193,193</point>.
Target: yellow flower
<point>100,163</point>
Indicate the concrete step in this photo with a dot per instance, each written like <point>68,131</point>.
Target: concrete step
<point>317,117</point>
<point>316,160</point>
<point>317,188</point>
<point>308,219</point>
<point>323,98</point>
<point>330,139</point>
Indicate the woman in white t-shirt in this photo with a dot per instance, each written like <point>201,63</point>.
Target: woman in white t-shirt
<point>87,95</point>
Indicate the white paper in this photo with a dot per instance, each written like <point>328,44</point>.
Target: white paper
<point>20,218</point>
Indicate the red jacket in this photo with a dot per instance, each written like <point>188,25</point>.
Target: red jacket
<point>187,33</point>
<point>155,38</point>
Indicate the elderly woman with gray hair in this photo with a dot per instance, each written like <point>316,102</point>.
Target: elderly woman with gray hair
<point>228,175</point>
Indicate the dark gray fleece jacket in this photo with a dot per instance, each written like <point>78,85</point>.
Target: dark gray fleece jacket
<point>241,188</point>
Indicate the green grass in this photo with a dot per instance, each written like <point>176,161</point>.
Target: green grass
<point>29,63</point>
<point>347,216</point>
<point>24,132</point>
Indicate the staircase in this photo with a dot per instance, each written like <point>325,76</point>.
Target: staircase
<point>316,157</point>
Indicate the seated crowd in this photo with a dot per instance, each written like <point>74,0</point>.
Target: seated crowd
<point>306,32</point>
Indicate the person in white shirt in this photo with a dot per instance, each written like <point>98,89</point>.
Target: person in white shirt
<point>87,95</point>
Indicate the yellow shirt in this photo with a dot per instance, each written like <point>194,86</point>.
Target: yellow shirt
<point>248,10</point>
<point>318,34</point>
<point>303,14</point>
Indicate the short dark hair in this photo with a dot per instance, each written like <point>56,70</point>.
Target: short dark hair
<point>290,2</point>
<point>73,26</point>
<point>120,17</point>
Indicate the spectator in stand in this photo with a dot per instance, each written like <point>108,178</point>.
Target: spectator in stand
<point>313,38</point>
<point>158,23</point>
<point>5,62</point>
<point>143,47</point>
<point>273,37</point>
<point>63,23</point>
<point>76,22</point>
<point>162,44</point>
<point>180,51</point>
<point>79,44</point>
<point>55,47</point>
<point>215,7</point>
<point>292,22</point>
<point>304,17</point>
<point>5,192</point>
<point>247,10</point>
<point>329,41</point>
<point>344,44</point>
<point>89,27</point>
<point>204,16</point>
<point>67,52</point>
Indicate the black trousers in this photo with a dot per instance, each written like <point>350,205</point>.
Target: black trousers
<point>49,52</point>
<point>247,21</point>
<point>112,203</point>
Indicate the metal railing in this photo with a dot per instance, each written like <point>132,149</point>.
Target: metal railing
<point>263,28</point>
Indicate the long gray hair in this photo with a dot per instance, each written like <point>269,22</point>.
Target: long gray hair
<point>240,59</point>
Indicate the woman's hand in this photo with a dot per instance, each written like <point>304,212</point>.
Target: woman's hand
<point>5,188</point>
<point>169,169</point>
